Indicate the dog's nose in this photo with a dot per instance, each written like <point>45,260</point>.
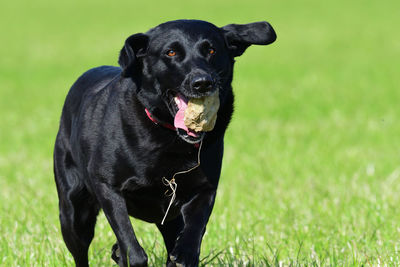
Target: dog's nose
<point>202,83</point>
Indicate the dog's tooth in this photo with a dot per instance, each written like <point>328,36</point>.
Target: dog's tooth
<point>177,101</point>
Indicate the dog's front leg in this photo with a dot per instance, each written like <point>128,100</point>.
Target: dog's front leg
<point>114,207</point>
<point>195,215</point>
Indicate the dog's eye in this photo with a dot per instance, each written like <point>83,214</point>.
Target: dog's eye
<point>211,51</point>
<point>171,53</point>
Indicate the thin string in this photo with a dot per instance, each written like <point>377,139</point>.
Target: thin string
<point>173,185</point>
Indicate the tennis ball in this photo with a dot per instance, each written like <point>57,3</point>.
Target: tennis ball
<point>201,113</point>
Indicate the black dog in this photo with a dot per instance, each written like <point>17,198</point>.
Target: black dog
<point>120,145</point>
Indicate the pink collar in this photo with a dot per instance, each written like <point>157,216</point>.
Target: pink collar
<point>164,124</point>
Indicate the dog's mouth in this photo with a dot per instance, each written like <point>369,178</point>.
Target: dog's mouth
<point>178,106</point>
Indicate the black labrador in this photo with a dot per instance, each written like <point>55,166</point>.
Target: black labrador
<point>121,147</point>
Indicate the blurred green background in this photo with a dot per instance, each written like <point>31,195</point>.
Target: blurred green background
<point>312,163</point>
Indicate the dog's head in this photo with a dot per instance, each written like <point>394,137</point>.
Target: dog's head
<point>184,59</point>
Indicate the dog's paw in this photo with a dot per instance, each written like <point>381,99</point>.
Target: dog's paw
<point>174,262</point>
<point>115,253</point>
<point>135,260</point>
<point>184,259</point>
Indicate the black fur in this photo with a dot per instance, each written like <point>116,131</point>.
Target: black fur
<point>109,155</point>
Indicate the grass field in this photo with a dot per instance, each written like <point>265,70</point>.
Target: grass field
<point>311,171</point>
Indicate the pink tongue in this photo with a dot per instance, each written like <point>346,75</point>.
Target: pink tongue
<point>179,117</point>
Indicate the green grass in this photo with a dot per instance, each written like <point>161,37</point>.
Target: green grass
<point>311,173</point>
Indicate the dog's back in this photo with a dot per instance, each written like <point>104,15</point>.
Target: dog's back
<point>89,82</point>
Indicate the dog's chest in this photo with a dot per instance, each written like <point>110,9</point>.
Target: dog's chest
<point>148,194</point>
<point>149,203</point>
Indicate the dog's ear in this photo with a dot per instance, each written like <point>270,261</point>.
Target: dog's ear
<point>135,47</point>
<point>240,36</point>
